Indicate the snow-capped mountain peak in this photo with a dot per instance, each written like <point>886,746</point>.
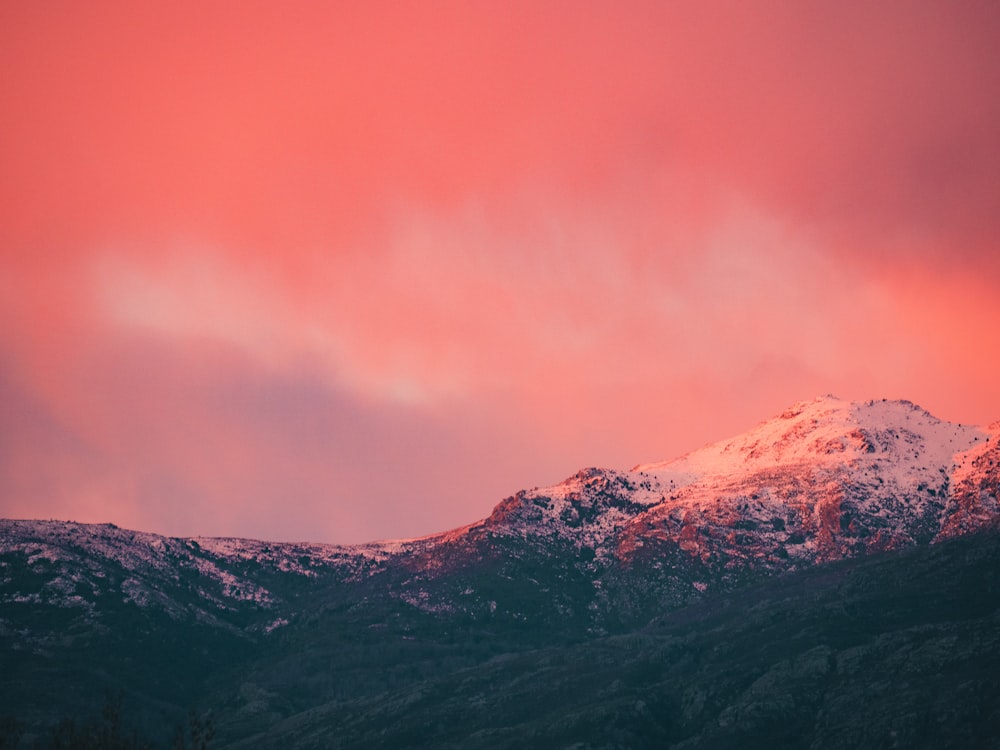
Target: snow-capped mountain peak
<point>824,479</point>
<point>827,431</point>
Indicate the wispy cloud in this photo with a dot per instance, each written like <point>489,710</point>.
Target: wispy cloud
<point>344,273</point>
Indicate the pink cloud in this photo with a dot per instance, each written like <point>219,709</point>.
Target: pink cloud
<point>384,265</point>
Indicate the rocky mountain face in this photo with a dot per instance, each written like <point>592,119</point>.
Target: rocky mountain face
<point>294,635</point>
<point>826,479</point>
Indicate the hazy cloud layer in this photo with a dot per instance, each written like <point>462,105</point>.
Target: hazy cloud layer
<point>344,273</point>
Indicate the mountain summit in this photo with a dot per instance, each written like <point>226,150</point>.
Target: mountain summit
<point>823,480</point>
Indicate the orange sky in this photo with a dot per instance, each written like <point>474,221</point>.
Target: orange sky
<point>345,271</point>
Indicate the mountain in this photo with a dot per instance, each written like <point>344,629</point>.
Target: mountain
<point>824,480</point>
<point>892,650</point>
<point>295,644</point>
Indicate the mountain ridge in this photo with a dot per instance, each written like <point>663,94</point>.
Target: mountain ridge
<point>823,480</point>
<point>601,554</point>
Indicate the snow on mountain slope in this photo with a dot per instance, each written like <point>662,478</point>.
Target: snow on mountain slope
<point>829,431</point>
<point>825,479</point>
<point>88,567</point>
